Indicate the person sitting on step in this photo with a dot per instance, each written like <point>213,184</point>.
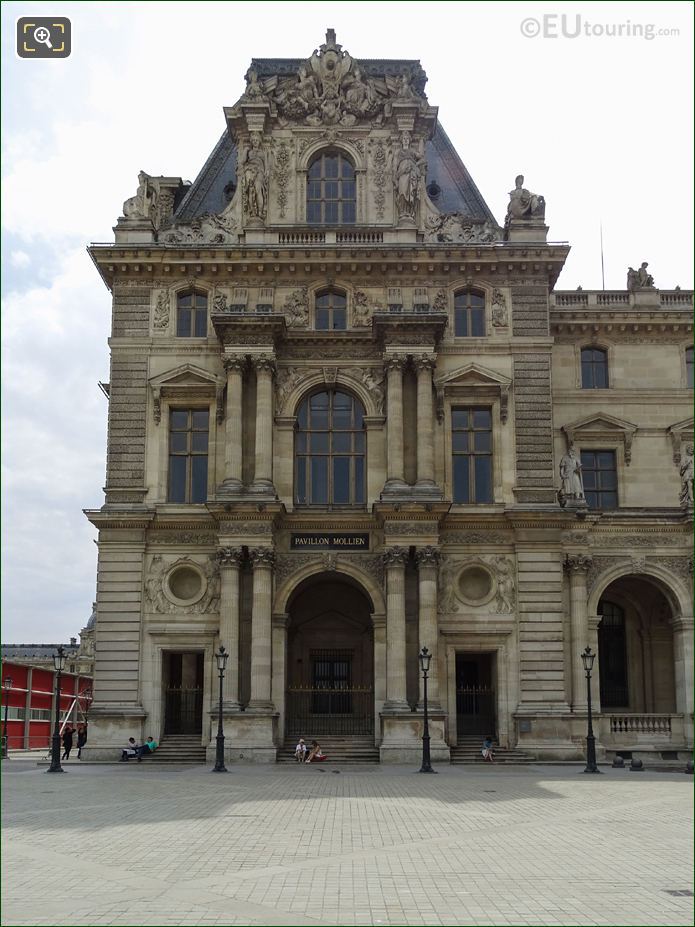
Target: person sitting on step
<point>147,749</point>
<point>487,751</point>
<point>315,753</point>
<point>300,751</point>
<point>131,749</point>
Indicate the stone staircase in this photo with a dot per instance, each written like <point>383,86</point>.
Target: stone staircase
<point>178,748</point>
<point>339,750</point>
<point>468,750</point>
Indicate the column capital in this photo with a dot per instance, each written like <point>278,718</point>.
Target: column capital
<point>394,362</point>
<point>424,362</point>
<point>229,556</point>
<point>578,563</point>
<point>264,363</point>
<point>427,556</point>
<point>262,556</point>
<point>395,556</point>
<point>234,363</point>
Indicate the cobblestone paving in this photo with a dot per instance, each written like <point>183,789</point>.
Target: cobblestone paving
<point>142,845</point>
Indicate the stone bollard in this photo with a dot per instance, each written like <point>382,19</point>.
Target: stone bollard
<point>689,768</point>
<point>618,762</point>
<point>636,765</point>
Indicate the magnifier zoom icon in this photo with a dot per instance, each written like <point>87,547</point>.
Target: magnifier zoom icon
<point>43,36</point>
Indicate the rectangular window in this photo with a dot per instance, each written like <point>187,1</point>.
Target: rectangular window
<point>469,315</point>
<point>471,433</point>
<point>14,713</point>
<point>41,714</point>
<point>188,455</point>
<point>192,315</point>
<point>600,479</point>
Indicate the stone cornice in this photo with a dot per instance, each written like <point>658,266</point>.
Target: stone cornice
<point>101,518</point>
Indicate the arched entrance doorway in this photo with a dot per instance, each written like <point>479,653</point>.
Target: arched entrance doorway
<point>330,660</point>
<point>635,648</point>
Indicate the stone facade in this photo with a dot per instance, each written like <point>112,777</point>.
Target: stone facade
<point>324,592</point>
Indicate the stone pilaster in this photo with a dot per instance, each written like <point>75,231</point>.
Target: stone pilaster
<point>395,471</point>
<point>229,559</point>
<point>261,628</point>
<point>577,566</point>
<point>394,561</point>
<point>427,559</point>
<point>234,426</point>
<point>683,669</point>
<point>424,365</point>
<point>263,472</point>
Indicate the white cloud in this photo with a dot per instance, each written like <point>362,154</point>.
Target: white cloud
<point>19,259</point>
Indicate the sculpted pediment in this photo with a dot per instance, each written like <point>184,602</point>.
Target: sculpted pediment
<point>680,433</point>
<point>599,426</point>
<point>186,382</point>
<point>473,375</point>
<point>474,382</point>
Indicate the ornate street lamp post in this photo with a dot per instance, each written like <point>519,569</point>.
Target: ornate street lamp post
<point>7,685</point>
<point>588,660</point>
<point>59,664</point>
<point>221,656</point>
<point>425,656</point>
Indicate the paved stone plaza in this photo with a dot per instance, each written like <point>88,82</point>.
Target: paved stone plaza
<point>144,845</point>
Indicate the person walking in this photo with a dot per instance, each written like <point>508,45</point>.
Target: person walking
<point>81,739</point>
<point>67,741</point>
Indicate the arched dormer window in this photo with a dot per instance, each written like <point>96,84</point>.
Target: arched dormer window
<point>192,314</point>
<point>331,310</point>
<point>330,450</point>
<point>469,314</point>
<point>594,368</point>
<point>331,192</point>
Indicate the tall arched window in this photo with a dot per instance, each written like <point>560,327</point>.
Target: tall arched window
<point>330,192</point>
<point>331,310</point>
<point>594,368</point>
<point>330,450</point>
<point>469,314</point>
<point>192,314</point>
<point>612,656</point>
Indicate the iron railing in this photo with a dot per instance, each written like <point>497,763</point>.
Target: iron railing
<point>314,711</point>
<point>475,710</point>
<point>183,711</point>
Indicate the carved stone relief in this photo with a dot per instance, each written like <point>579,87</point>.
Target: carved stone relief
<point>159,573</point>
<point>282,176</point>
<point>455,227</point>
<point>482,581</point>
<point>499,314</point>
<point>161,311</point>
<point>296,308</point>
<point>361,316</point>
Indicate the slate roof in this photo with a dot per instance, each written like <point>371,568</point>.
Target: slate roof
<point>35,651</point>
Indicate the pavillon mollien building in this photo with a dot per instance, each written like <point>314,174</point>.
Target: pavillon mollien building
<point>350,416</point>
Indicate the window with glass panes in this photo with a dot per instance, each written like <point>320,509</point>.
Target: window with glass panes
<point>188,455</point>
<point>594,368</point>
<point>331,311</point>
<point>600,479</point>
<point>192,315</point>
<point>471,435</point>
<point>469,314</point>
<point>689,367</point>
<point>330,194</point>
<point>612,656</point>
<point>330,450</point>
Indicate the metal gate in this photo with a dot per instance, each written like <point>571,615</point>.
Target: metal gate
<point>475,710</point>
<point>313,711</point>
<point>183,712</point>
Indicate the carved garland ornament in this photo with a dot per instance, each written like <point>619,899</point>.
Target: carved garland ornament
<point>159,574</point>
<point>282,176</point>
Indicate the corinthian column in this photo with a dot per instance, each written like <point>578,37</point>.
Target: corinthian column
<point>234,365</point>
<point>427,559</point>
<point>263,476</point>
<point>261,627</point>
<point>394,561</point>
<point>395,473</point>
<point>577,566</point>
<point>229,559</point>
<point>424,365</point>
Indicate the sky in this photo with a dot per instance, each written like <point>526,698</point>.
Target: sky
<point>599,123</point>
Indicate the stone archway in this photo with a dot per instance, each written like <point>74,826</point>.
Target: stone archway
<point>330,659</point>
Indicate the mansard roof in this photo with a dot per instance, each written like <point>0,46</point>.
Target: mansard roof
<point>458,192</point>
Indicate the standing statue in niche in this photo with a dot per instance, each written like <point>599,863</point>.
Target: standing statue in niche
<point>255,174</point>
<point>571,476</point>
<point>523,204</point>
<point>686,471</point>
<point>409,169</point>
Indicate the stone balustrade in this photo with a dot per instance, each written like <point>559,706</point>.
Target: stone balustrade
<point>619,299</point>
<point>641,724</point>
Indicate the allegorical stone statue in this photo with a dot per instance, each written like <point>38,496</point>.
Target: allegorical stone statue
<point>571,475</point>
<point>523,204</point>
<point>687,470</point>
<point>140,205</point>
<point>409,168</point>
<point>639,279</point>
<point>255,174</point>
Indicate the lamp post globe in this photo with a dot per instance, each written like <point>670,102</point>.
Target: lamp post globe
<point>221,657</point>
<point>588,662</point>
<point>59,664</point>
<point>425,657</point>
<point>7,685</point>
